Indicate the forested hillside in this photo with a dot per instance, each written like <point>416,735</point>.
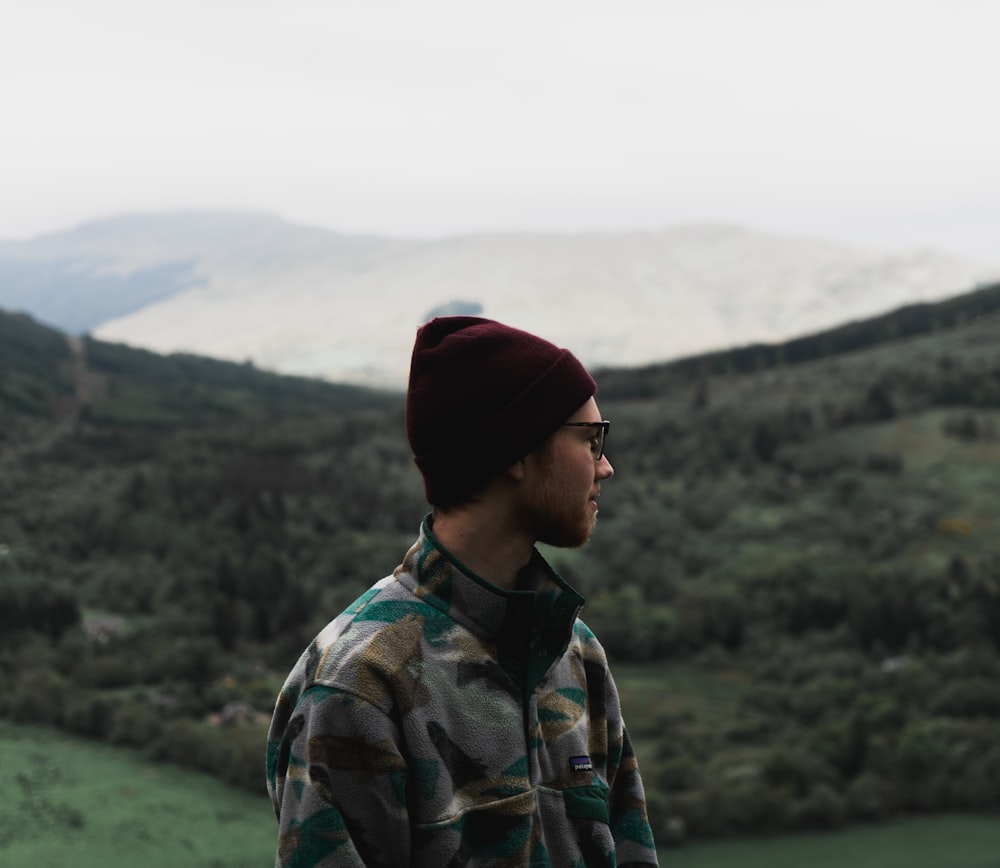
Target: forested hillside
<point>800,547</point>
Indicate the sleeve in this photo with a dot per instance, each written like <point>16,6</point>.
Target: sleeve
<point>341,802</point>
<point>634,845</point>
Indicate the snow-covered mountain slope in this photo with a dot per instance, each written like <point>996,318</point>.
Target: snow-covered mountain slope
<point>309,301</point>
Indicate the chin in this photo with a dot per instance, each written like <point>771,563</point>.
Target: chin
<point>567,537</point>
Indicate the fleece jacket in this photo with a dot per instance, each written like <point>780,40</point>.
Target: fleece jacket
<point>442,721</point>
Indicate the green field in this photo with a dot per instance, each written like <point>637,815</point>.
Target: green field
<point>64,801</point>
<point>923,842</point>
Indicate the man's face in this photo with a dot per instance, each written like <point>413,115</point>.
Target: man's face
<point>563,483</point>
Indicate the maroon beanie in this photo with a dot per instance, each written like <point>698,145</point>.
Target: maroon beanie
<point>481,396</point>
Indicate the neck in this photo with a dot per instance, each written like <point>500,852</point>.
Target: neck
<point>484,542</point>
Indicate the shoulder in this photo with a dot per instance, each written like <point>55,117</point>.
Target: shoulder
<point>588,643</point>
<point>369,644</point>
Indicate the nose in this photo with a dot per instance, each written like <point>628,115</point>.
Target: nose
<point>604,468</point>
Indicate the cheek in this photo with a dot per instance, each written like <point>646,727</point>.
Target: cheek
<point>585,471</point>
<point>575,485</point>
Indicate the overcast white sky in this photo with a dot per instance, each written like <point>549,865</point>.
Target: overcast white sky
<point>859,120</point>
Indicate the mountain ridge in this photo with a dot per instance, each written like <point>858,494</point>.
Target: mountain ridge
<point>308,301</point>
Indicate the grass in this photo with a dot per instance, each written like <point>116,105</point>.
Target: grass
<point>923,842</point>
<point>67,801</point>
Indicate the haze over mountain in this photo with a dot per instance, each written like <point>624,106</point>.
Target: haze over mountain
<point>344,307</point>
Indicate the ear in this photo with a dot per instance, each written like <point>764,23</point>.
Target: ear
<point>518,469</point>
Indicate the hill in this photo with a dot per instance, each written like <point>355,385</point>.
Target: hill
<point>797,569</point>
<point>236,286</point>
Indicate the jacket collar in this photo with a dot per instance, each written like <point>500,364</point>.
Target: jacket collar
<point>435,575</point>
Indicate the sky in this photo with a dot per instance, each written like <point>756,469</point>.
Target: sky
<point>867,121</point>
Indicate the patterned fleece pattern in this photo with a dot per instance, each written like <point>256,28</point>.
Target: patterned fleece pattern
<point>441,721</point>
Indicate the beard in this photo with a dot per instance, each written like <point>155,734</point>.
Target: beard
<point>558,514</point>
<point>567,533</point>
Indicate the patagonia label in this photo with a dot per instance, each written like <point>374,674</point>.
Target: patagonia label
<point>580,764</point>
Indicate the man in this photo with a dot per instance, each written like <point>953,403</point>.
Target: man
<point>459,713</point>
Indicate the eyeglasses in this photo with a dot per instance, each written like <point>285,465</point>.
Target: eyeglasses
<point>600,435</point>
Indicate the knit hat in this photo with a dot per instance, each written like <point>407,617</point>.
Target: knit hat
<point>482,395</point>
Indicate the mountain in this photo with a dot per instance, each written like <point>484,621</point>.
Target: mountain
<point>344,307</point>
<point>107,269</point>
